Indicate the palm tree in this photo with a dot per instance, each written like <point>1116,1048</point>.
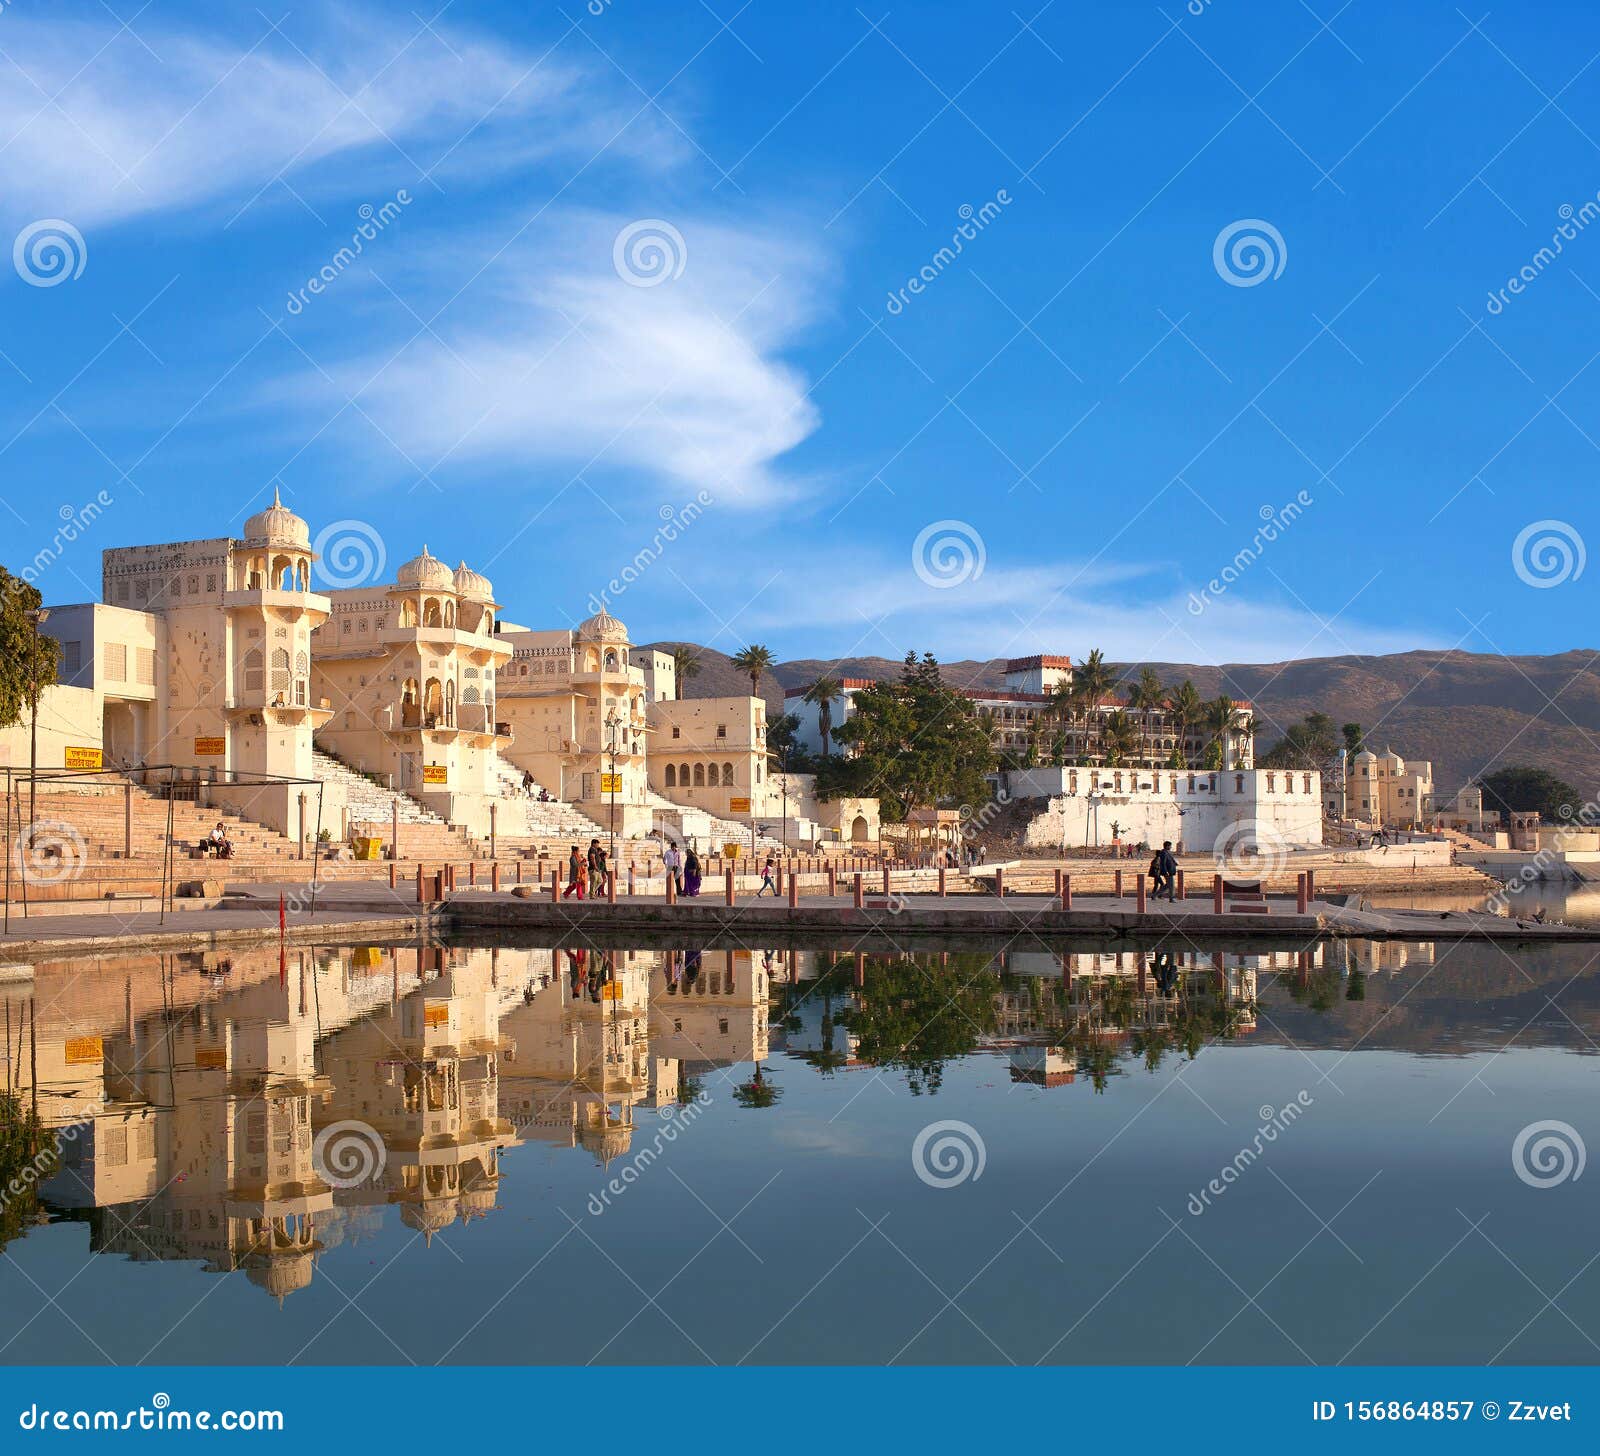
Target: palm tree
<point>1121,738</point>
<point>685,665</point>
<point>1186,711</point>
<point>1093,681</point>
<point>1223,719</point>
<point>822,694</point>
<point>1148,697</point>
<point>754,660</point>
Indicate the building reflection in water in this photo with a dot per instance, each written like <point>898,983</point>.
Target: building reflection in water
<point>187,1092</point>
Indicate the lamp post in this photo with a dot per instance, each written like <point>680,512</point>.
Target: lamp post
<point>613,729</point>
<point>37,617</point>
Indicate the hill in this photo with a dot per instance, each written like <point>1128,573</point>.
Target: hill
<point>1467,712</point>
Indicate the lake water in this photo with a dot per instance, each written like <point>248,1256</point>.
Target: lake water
<point>525,1154</point>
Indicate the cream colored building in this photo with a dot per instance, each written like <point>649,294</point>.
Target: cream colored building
<point>1383,788</point>
<point>408,671</point>
<point>575,705</point>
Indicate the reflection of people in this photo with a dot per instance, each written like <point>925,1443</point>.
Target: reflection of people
<point>691,875</point>
<point>1166,972</point>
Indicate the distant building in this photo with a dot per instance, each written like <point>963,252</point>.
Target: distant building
<point>1383,788</point>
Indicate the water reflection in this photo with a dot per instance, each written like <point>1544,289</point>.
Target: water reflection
<point>188,1093</point>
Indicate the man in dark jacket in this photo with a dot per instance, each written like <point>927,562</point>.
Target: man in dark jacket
<point>1166,863</point>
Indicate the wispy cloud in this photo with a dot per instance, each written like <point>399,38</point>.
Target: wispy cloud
<point>98,123</point>
<point>545,353</point>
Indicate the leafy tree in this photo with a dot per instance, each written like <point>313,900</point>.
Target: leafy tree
<point>1223,719</point>
<point>1120,737</point>
<point>1310,743</point>
<point>784,750</point>
<point>822,694</point>
<point>915,743</point>
<point>25,667</point>
<point>758,1091</point>
<point>685,665</point>
<point>1186,710</point>
<point>753,661</point>
<point>1354,740</point>
<point>1147,697</point>
<point>1521,788</point>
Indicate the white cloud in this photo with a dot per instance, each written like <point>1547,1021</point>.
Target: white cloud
<point>873,607</point>
<point>97,125</point>
<point>543,353</point>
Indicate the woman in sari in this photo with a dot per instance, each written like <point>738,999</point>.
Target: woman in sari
<point>691,874</point>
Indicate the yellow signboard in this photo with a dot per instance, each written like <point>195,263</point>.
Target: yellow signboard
<point>436,1013</point>
<point>610,783</point>
<point>611,991</point>
<point>212,1059</point>
<point>83,1051</point>
<point>210,747</point>
<point>435,773</point>
<point>738,806</point>
<point>730,851</point>
<point>82,758</point>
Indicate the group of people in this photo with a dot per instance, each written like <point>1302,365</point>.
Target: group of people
<point>529,784</point>
<point>684,870</point>
<point>586,870</point>
<point>1164,872</point>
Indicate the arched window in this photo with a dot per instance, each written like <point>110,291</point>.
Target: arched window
<point>683,775</point>
<point>430,613</point>
<point>699,775</point>
<point>302,669</point>
<point>408,614</point>
<point>727,775</point>
<point>672,777</point>
<point>408,703</point>
<point>611,661</point>
<point>283,573</point>
<point>433,702</point>
<point>253,682</point>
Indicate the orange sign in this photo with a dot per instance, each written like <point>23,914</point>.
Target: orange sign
<point>436,1013</point>
<point>610,783</point>
<point>611,991</point>
<point>210,747</point>
<point>211,1059</point>
<point>82,758</point>
<point>83,1050</point>
<point>738,806</point>
<point>435,773</point>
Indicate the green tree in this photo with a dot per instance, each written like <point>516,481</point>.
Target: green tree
<point>753,661</point>
<point>1223,719</point>
<point>822,694</point>
<point>1121,738</point>
<point>685,665</point>
<point>1187,710</point>
<point>915,743</point>
<point>784,749</point>
<point>1354,740</point>
<point>27,664</point>
<point>1147,697</point>
<point>1310,743</point>
<point>1519,789</point>
<point>1093,681</point>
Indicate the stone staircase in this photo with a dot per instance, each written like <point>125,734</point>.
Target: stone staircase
<point>722,831</point>
<point>552,821</point>
<point>423,834</point>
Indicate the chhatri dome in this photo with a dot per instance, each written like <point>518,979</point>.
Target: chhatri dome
<point>474,584</point>
<point>428,572</point>
<point>277,525</point>
<point>602,627</point>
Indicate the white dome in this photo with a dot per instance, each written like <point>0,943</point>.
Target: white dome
<point>428,572</point>
<point>277,525</point>
<point>602,627</point>
<point>470,583</point>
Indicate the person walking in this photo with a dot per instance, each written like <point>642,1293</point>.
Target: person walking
<point>597,867</point>
<point>672,862</point>
<point>1166,863</point>
<point>577,874</point>
<point>768,881</point>
<point>691,875</point>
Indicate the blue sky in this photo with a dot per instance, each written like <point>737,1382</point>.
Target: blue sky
<point>1098,398</point>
